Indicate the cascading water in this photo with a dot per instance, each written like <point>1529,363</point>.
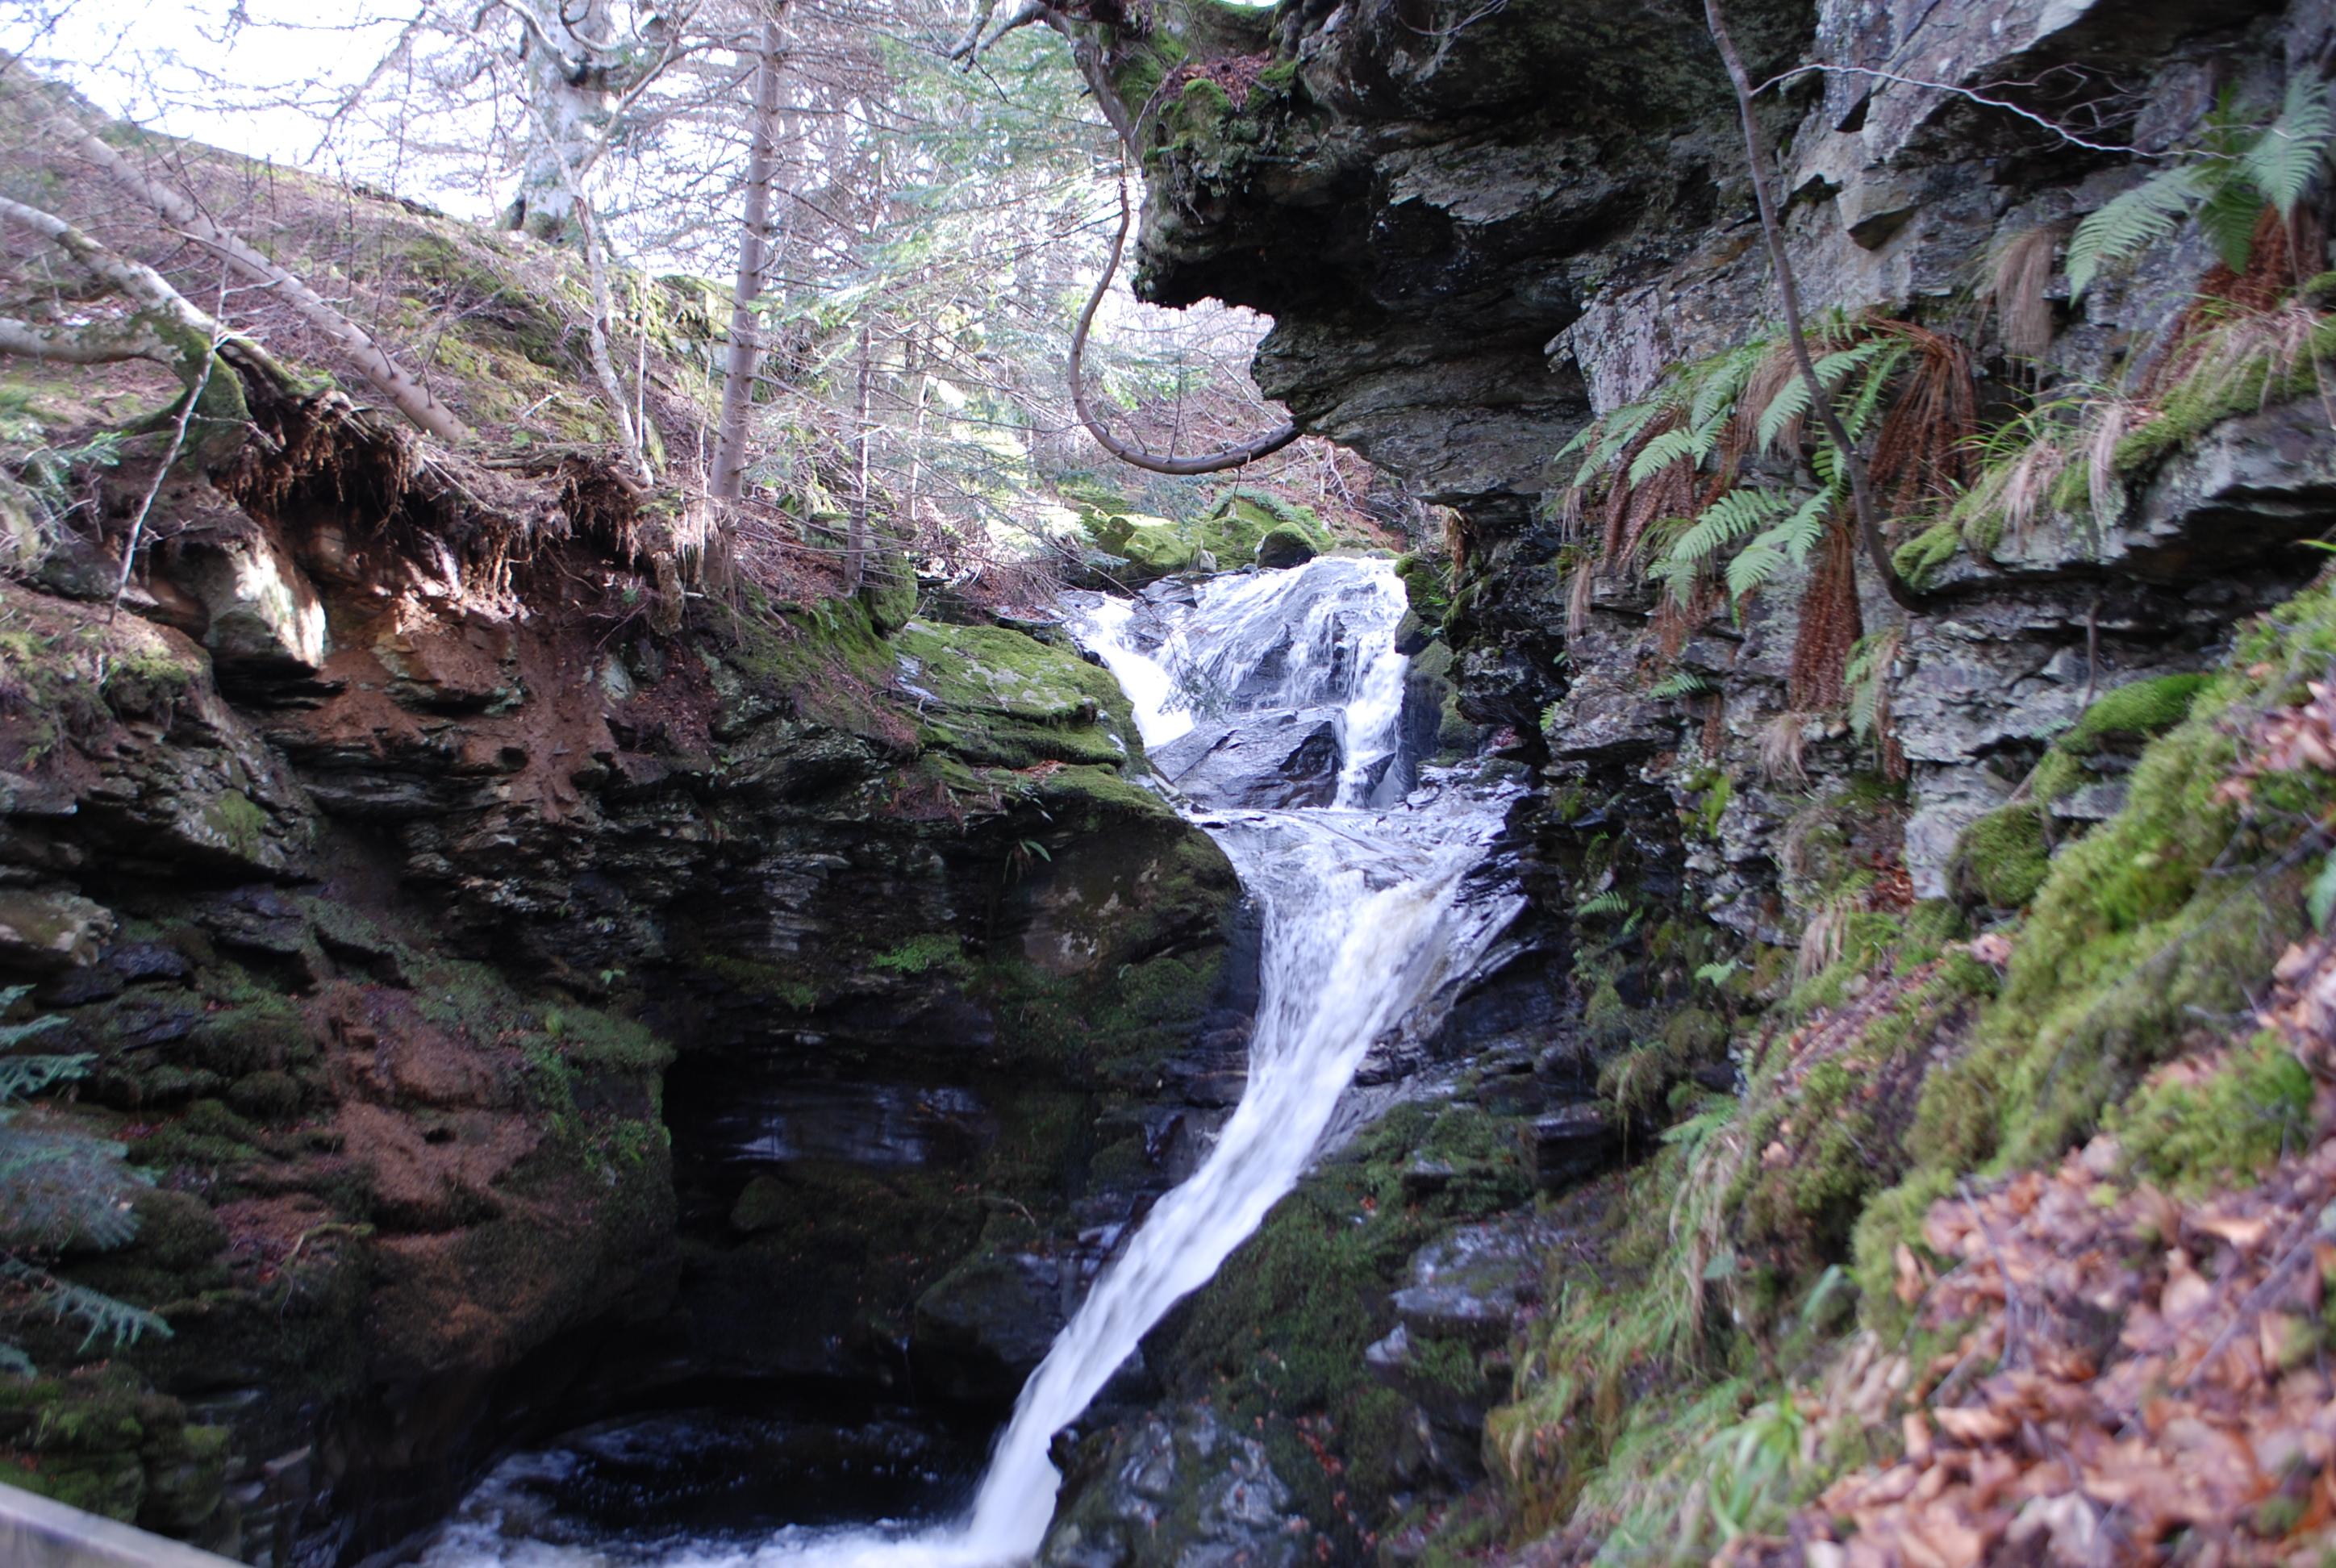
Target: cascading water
<point>1365,925</point>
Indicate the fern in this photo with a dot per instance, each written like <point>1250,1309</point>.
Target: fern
<point>1724,382</point>
<point>15,1035</point>
<point>2225,183</point>
<point>1787,543</point>
<point>1686,683</point>
<point>2132,222</point>
<point>1792,400</point>
<point>1732,517</point>
<point>105,1317</point>
<point>1606,903</point>
<point>2280,163</point>
<point>58,1189</point>
<point>1671,446</point>
<point>22,1077</point>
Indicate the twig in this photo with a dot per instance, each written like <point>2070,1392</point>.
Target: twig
<point>1869,526</point>
<point>170,456</point>
<point>2054,126</point>
<point>1126,452</point>
<point>2012,1338</point>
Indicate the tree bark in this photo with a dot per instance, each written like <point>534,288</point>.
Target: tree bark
<point>1755,151</point>
<point>165,328</point>
<point>855,558</point>
<point>754,249</point>
<point>570,97</point>
<point>604,366</point>
<point>405,393</point>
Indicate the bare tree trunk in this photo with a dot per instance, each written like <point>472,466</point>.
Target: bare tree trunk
<point>166,328</point>
<point>612,387</point>
<point>566,67</point>
<point>405,393</point>
<point>1755,151</point>
<point>915,363</point>
<point>754,248</point>
<point>855,557</point>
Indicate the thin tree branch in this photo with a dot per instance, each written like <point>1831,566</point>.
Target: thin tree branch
<point>405,392</point>
<point>1970,94</point>
<point>1755,151</point>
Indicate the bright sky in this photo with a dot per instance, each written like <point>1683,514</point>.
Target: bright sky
<point>226,72</point>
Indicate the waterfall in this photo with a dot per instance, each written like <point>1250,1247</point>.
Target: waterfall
<point>1364,922</point>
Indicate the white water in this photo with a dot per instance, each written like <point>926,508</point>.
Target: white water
<point>1364,924</point>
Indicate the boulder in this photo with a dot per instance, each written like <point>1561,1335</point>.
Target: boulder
<point>1271,761</point>
<point>44,929</point>
<point>985,1325</point>
<point>265,619</point>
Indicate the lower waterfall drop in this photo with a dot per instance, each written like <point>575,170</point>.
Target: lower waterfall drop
<point>1369,923</point>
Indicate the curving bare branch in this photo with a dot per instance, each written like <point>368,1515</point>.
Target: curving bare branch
<point>1127,451</point>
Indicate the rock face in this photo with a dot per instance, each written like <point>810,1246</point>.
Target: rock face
<point>1480,229</point>
<point>524,1018</point>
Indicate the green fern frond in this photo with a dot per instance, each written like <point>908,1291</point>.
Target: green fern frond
<point>22,1077</point>
<point>1866,403</point>
<point>1754,564</point>
<point>1798,534</point>
<point>1619,429</point>
<point>2133,220</point>
<point>1732,517</point>
<point>1671,446</point>
<point>1606,903</point>
<point>1581,441</point>
<point>15,1035</point>
<point>1724,382</point>
<point>2281,162</point>
<point>106,1317</point>
<point>1686,683</point>
<point>2228,218</point>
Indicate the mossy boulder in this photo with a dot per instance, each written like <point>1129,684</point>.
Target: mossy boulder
<point>1232,532</point>
<point>991,697</point>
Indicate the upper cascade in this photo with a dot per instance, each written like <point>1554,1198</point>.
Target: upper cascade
<point>1273,689</point>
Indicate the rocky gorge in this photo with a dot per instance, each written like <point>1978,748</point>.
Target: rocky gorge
<point>552,974</point>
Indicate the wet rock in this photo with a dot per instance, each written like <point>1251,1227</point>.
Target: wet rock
<point>1178,1489</point>
<point>1271,762</point>
<point>1286,546</point>
<point>986,1325</point>
<point>1572,1146</point>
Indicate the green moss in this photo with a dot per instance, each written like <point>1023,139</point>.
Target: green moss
<point>240,821</point>
<point>2167,916</point>
<point>920,954</point>
<point>2231,377</point>
<point>998,698</point>
<point>1927,551</point>
<point>1427,587</point>
<point>2001,858</point>
<point>2193,1135</point>
<point>2138,710</point>
<point>784,986</point>
<point>1278,1335</point>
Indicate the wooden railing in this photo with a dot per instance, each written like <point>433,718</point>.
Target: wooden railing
<point>36,1532</point>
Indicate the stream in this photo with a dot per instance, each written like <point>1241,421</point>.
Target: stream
<point>1360,861</point>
